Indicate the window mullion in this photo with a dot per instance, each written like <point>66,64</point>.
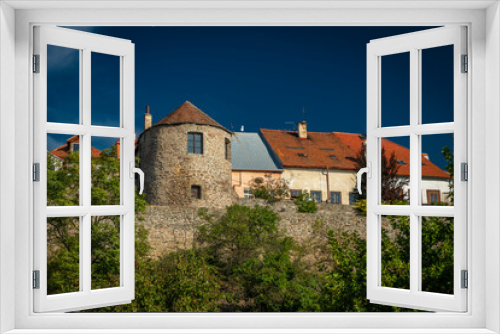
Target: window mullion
<point>415,88</point>
<point>86,174</point>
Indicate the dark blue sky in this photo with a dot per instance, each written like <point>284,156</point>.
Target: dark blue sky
<point>261,77</point>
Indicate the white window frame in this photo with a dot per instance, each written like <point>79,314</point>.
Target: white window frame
<point>483,20</point>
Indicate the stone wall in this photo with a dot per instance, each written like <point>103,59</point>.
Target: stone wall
<point>173,228</point>
<point>170,170</point>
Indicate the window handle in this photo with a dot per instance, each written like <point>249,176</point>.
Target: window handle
<point>139,171</point>
<point>368,172</point>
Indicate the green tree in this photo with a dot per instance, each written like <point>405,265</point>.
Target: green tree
<point>392,183</point>
<point>270,189</point>
<point>63,233</point>
<point>257,261</point>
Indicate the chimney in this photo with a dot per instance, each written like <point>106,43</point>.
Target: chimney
<point>118,148</point>
<point>425,155</point>
<point>148,119</point>
<point>302,126</point>
<point>242,128</point>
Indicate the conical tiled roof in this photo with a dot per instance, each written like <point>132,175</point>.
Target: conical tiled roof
<point>188,113</point>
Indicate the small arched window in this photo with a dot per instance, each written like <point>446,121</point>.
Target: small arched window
<point>195,142</point>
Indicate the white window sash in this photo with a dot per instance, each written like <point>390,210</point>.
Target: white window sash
<point>86,297</point>
<point>414,297</point>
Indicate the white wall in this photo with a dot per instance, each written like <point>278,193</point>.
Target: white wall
<point>7,159</point>
<point>315,179</point>
<point>492,157</point>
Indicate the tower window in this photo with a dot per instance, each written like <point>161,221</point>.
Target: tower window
<point>195,192</point>
<point>195,142</point>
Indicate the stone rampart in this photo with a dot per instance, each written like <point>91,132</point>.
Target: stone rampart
<point>173,228</point>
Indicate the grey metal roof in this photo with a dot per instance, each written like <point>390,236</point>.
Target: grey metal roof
<point>249,152</point>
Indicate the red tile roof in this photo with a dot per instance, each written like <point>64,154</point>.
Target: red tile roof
<point>337,150</point>
<point>318,150</point>
<point>63,151</point>
<point>188,113</point>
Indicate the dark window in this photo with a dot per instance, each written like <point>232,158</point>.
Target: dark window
<point>294,193</point>
<point>335,197</point>
<point>195,142</point>
<point>353,198</point>
<point>228,149</point>
<point>247,193</point>
<point>196,192</point>
<point>433,196</point>
<point>316,195</point>
<point>76,147</point>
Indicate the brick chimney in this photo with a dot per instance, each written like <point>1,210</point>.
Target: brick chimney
<point>302,127</point>
<point>148,119</point>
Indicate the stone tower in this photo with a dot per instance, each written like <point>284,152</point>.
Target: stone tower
<point>186,159</point>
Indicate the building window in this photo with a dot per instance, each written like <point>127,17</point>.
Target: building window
<point>195,192</point>
<point>247,193</point>
<point>433,196</point>
<point>76,147</point>
<point>195,142</point>
<point>228,149</point>
<point>335,197</point>
<point>353,198</point>
<point>294,193</point>
<point>316,195</point>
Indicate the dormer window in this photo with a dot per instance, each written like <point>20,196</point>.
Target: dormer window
<point>195,142</point>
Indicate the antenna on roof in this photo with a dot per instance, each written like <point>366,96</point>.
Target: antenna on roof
<point>292,125</point>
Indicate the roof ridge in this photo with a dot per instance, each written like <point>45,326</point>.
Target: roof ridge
<point>188,113</point>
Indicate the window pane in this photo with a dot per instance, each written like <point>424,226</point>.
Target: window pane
<point>437,169</point>
<point>316,196</point>
<point>63,170</point>
<point>395,91</point>
<point>437,254</point>
<point>63,253</point>
<point>396,252</point>
<point>105,171</point>
<point>198,143</point>
<point>437,85</point>
<point>105,252</point>
<point>105,89</point>
<point>63,85</point>
<point>190,143</point>
<point>395,170</point>
<point>335,197</point>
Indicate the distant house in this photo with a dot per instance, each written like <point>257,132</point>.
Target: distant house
<point>251,160</point>
<point>72,145</point>
<point>307,159</point>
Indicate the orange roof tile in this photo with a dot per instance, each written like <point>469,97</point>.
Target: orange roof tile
<point>188,113</point>
<point>337,150</point>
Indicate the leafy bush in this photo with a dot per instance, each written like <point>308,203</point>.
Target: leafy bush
<point>270,189</point>
<point>305,203</point>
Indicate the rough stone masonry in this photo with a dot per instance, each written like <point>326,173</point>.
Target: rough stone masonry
<point>173,228</point>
